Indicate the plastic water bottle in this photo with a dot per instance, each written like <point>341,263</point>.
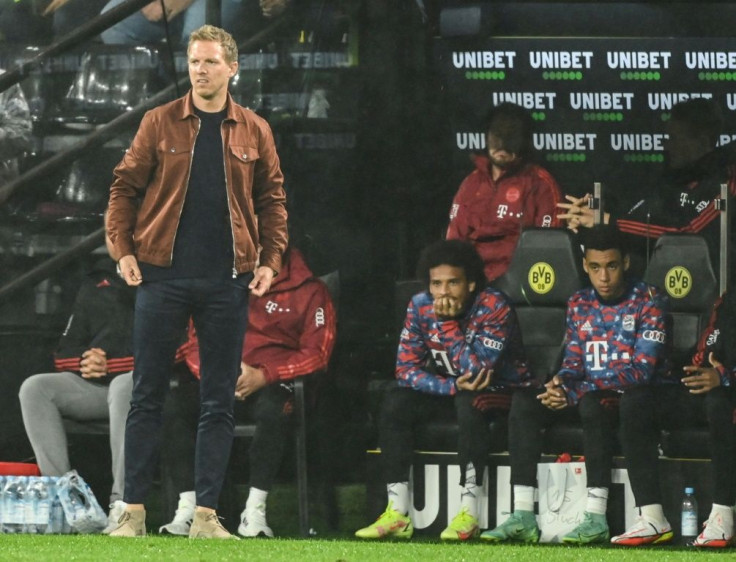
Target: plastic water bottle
<point>689,524</point>
<point>14,504</point>
<point>38,505</point>
<point>29,508</point>
<point>43,507</point>
<point>57,519</point>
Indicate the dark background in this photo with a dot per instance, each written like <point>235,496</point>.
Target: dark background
<point>369,185</point>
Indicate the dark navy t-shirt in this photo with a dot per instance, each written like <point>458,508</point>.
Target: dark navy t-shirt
<point>203,247</point>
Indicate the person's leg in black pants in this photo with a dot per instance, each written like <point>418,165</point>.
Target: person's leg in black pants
<point>181,412</point>
<point>642,411</point>
<point>527,420</point>
<point>474,410</point>
<point>599,415</point>
<point>220,317</point>
<point>640,430</point>
<point>272,410</point>
<point>161,313</point>
<point>402,409</point>
<point>719,411</point>
<point>716,407</point>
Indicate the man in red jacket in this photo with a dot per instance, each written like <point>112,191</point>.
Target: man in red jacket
<point>505,193</point>
<point>291,333</point>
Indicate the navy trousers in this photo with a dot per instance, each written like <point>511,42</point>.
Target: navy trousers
<point>219,310</point>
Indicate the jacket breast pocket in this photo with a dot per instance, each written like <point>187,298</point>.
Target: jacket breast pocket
<point>242,162</point>
<point>174,160</point>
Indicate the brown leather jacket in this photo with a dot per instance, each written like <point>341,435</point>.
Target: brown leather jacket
<point>150,185</point>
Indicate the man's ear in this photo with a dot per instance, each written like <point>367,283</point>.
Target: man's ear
<point>585,265</point>
<point>627,262</point>
<point>471,286</point>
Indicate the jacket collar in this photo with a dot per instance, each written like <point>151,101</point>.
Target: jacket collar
<point>232,108</point>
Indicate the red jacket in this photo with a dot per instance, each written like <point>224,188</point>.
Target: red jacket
<point>491,214</point>
<point>291,329</point>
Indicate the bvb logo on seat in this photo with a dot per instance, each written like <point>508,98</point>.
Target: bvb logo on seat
<point>541,278</point>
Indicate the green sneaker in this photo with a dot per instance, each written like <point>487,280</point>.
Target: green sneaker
<point>594,528</point>
<point>390,524</point>
<point>521,526</point>
<point>463,527</point>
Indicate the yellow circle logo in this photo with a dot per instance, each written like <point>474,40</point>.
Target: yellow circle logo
<point>678,282</point>
<point>541,277</point>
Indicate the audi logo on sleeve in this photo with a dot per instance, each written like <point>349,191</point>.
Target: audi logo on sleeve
<point>654,335</point>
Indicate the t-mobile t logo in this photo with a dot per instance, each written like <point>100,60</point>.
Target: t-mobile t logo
<point>596,352</point>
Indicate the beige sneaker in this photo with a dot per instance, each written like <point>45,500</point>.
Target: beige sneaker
<point>131,524</point>
<point>208,526</point>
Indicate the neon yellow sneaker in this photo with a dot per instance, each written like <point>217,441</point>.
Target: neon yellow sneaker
<point>463,527</point>
<point>390,524</point>
<point>521,526</point>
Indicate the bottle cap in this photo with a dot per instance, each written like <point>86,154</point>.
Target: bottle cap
<point>689,490</point>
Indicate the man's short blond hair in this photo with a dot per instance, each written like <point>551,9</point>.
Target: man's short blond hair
<point>212,33</point>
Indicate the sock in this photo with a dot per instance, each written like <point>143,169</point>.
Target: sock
<point>523,498</point>
<point>256,497</point>
<point>726,513</point>
<point>470,492</point>
<point>398,493</point>
<point>187,499</point>
<point>653,512</point>
<point>597,500</point>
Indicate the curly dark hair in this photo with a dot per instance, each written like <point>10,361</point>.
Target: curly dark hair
<point>455,253</point>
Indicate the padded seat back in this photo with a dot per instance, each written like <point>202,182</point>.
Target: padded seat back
<point>545,271</point>
<point>681,266</point>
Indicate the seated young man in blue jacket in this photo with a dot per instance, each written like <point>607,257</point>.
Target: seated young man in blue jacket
<point>615,340</point>
<point>460,346</point>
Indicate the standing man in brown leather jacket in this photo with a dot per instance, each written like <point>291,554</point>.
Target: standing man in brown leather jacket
<point>196,196</point>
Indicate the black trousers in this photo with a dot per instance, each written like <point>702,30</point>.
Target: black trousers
<point>270,408</point>
<point>403,409</point>
<point>528,418</point>
<point>648,409</point>
<point>219,310</point>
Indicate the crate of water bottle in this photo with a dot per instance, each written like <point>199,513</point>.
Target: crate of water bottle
<point>30,504</point>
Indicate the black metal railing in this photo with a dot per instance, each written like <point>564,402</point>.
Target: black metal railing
<point>94,139</point>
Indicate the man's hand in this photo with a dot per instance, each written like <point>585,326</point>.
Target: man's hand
<point>131,274</point>
<point>702,379</point>
<point>94,363</point>
<point>553,396</point>
<point>250,380</point>
<point>577,212</point>
<point>262,279</point>
<point>447,307</point>
<point>479,382</point>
